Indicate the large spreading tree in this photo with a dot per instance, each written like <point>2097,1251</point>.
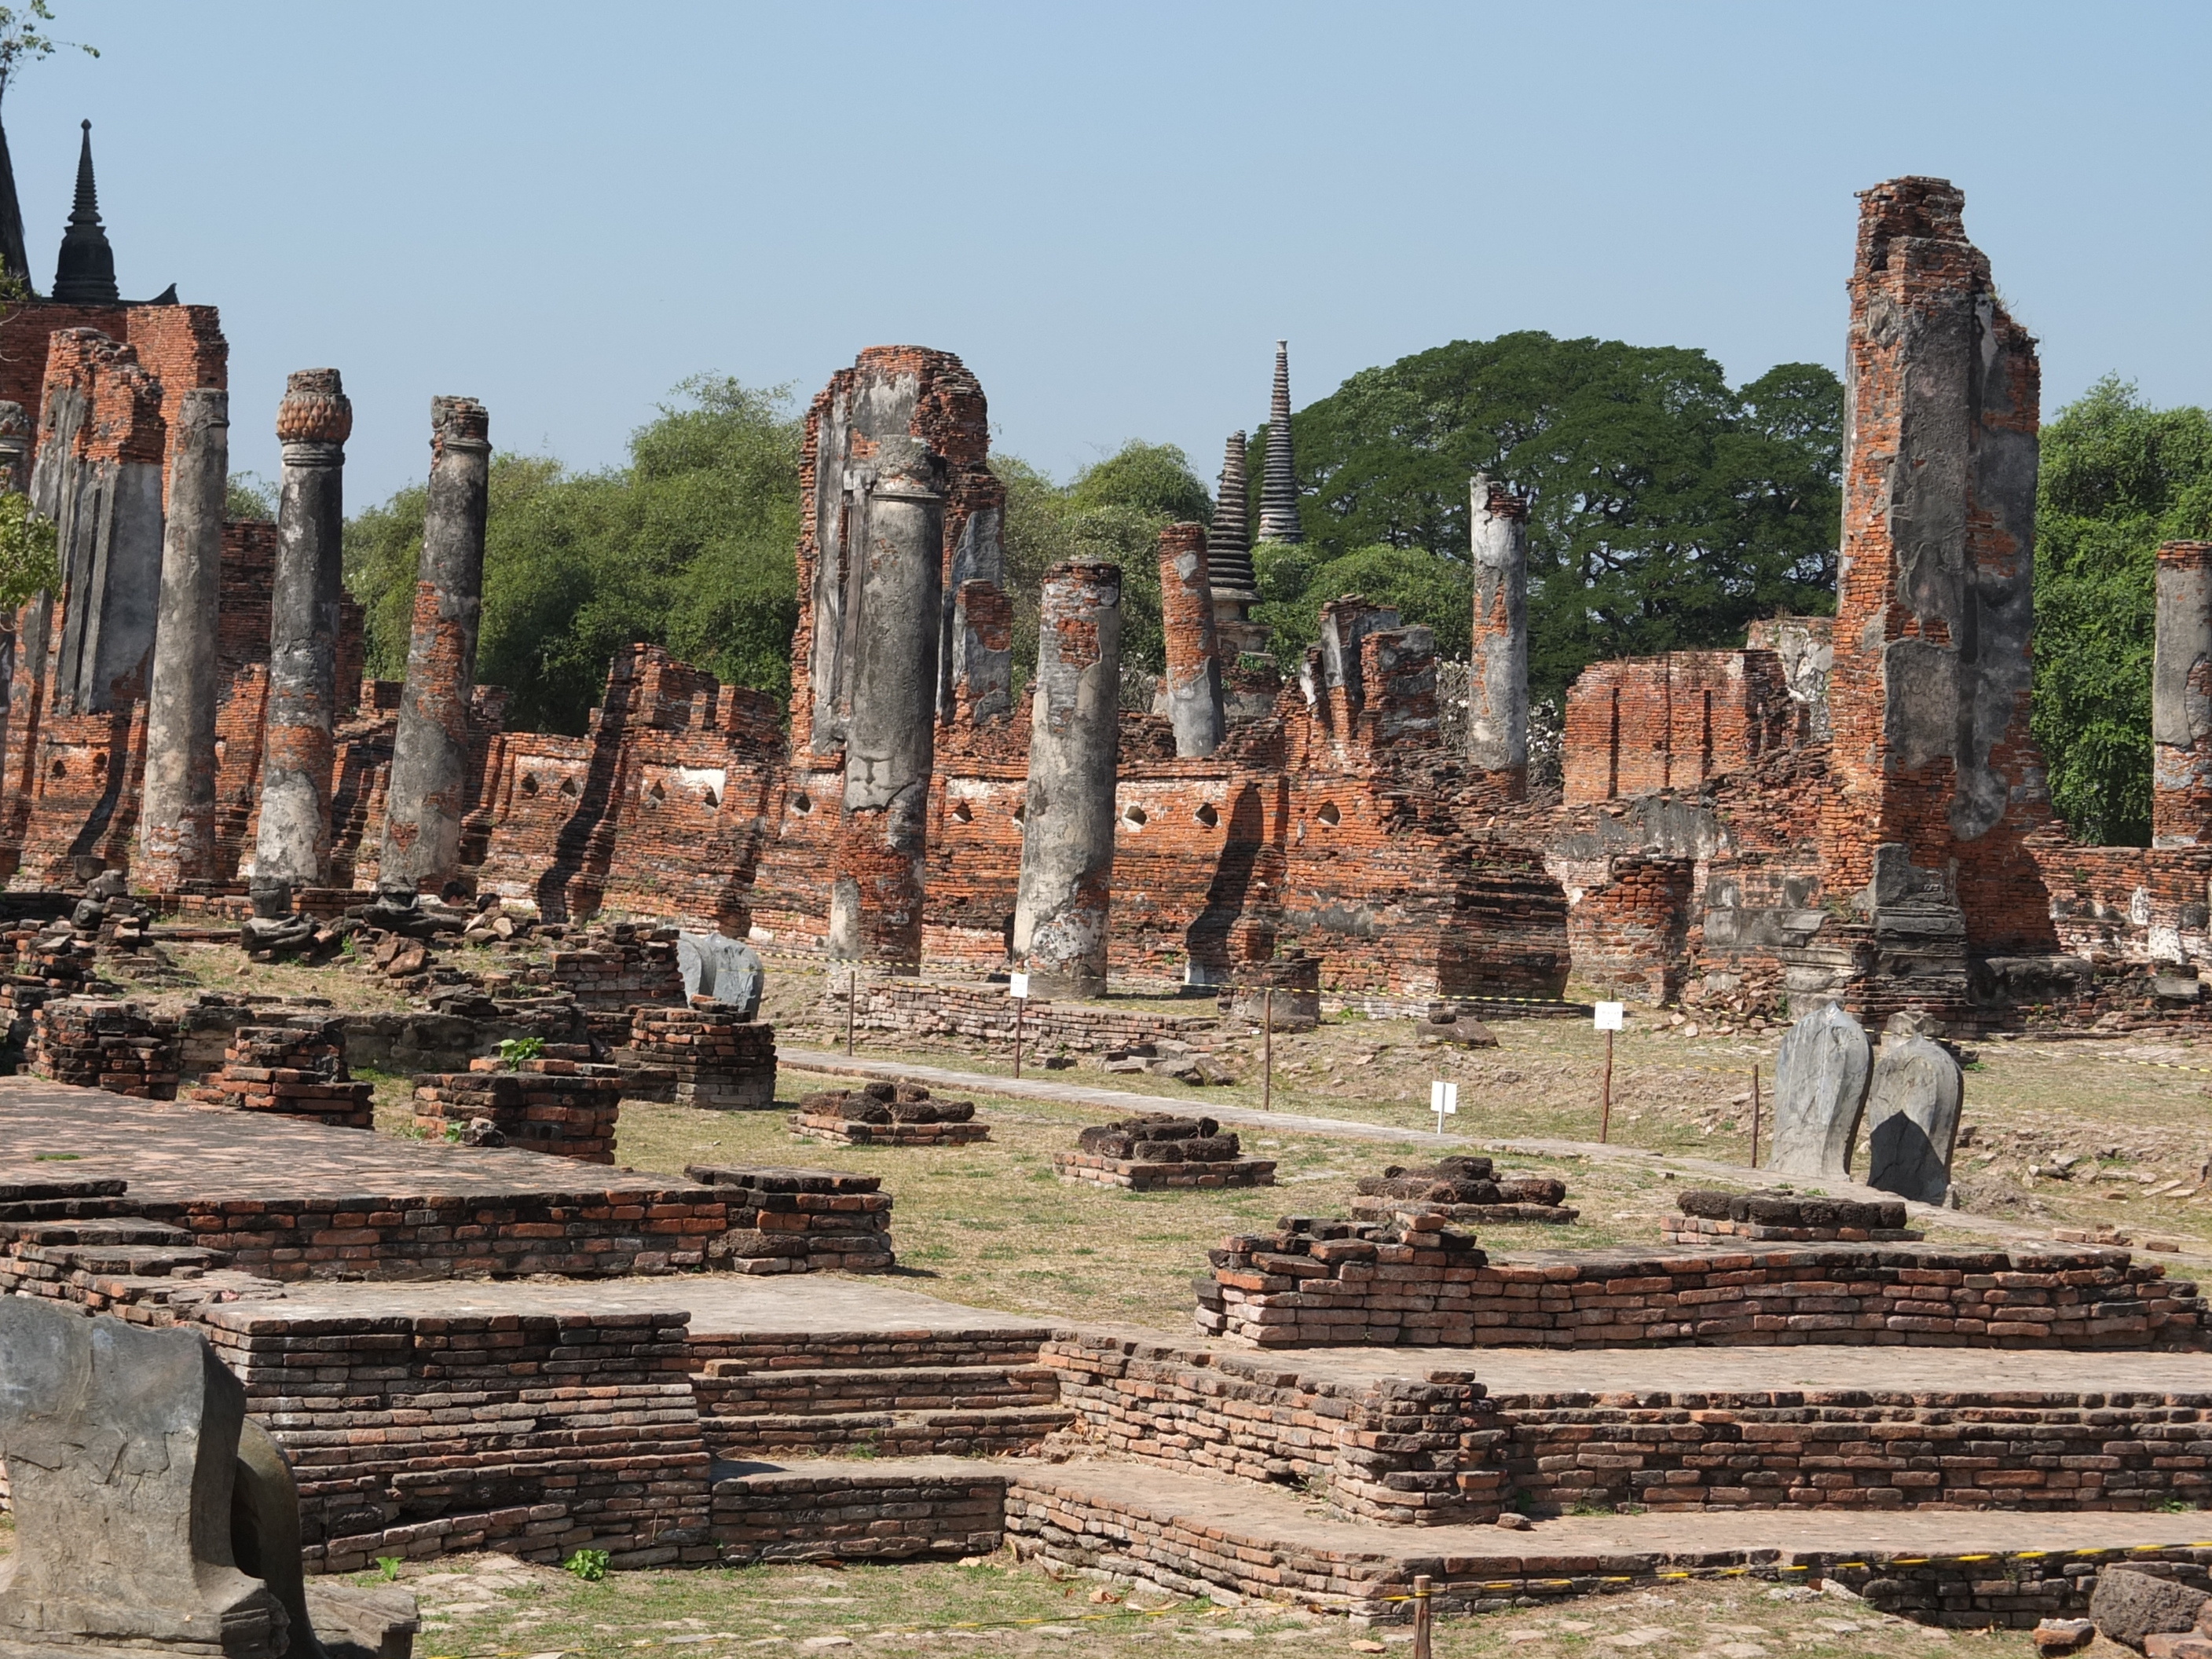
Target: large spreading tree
<point>1667,509</point>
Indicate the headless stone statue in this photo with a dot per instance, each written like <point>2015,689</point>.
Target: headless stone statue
<point>141,1495</point>
<point>1912,1118</point>
<point>724,969</point>
<point>1820,1088</point>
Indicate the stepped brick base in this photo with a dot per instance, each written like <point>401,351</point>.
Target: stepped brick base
<point>1412,1452</point>
<point>569,1107</point>
<point>720,1062</point>
<point>1695,1230</point>
<point>618,1229</point>
<point>1146,1177</point>
<point>101,1044</point>
<point>1286,1290</point>
<point>534,1435</point>
<point>1384,1209</point>
<point>297,1068</point>
<point>1716,1450</point>
<point>796,1221</point>
<point>841,1511</point>
<point>844,1132</point>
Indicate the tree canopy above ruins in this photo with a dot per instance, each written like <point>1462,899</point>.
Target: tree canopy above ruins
<point>1667,509</point>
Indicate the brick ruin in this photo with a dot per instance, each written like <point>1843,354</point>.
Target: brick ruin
<point>1847,808</point>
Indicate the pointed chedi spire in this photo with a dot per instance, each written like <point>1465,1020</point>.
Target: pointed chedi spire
<point>14,259</point>
<point>1229,537</point>
<point>1278,488</point>
<point>85,274</point>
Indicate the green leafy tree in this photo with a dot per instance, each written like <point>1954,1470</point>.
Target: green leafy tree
<point>690,546</point>
<point>2117,477</point>
<point>248,496</point>
<point>29,558</point>
<point>1667,509</point>
<point>24,42</point>
<point>1113,509</point>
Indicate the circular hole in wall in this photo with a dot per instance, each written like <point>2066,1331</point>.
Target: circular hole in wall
<point>802,803</point>
<point>963,813</point>
<point>530,783</point>
<point>1135,817</point>
<point>1207,815</point>
<point>1328,814</point>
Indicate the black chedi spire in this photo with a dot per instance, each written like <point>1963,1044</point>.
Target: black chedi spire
<point>85,274</point>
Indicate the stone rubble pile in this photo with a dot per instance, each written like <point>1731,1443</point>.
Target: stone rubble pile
<point>1464,1189</point>
<point>1777,1214</point>
<point>1154,1150</point>
<point>887,1114</point>
<point>796,1221</point>
<point>717,1059</point>
<point>560,1103</point>
<point>100,1043</point>
<point>298,1069</point>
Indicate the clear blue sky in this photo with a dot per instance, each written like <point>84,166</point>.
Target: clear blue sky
<point>1111,210</point>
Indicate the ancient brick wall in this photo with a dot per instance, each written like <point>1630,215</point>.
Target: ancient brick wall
<point>1642,724</point>
<point>1631,937</point>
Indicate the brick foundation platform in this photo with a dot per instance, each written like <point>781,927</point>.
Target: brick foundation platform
<point>297,1068</point>
<point>1322,1283</point>
<point>1153,1151</point>
<point>561,1104</point>
<point>1461,1190</point>
<point>796,1221</point>
<point>968,1013</point>
<point>718,1062</point>
<point>100,1044</point>
<point>888,1114</point>
<point>1708,1217</point>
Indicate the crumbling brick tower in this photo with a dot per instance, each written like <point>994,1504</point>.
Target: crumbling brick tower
<point>1939,781</point>
<point>903,626</point>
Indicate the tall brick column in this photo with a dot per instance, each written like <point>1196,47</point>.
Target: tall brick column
<point>1498,677</point>
<point>2181,698</point>
<point>428,792</point>
<point>176,814</point>
<point>1939,781</point>
<point>883,835</point>
<point>1192,683</point>
<point>1068,820</point>
<point>293,846</point>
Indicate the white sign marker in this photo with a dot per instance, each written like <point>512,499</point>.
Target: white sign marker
<point>1444,1101</point>
<point>1611,1016</point>
<point>1020,987</point>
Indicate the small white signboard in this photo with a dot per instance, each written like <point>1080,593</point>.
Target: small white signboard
<point>1444,1101</point>
<point>1611,1016</point>
<point>1020,987</point>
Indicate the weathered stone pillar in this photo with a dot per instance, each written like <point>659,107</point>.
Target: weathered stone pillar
<point>176,816</point>
<point>1498,674</point>
<point>430,751</point>
<point>877,881</point>
<point>1193,684</point>
<point>2181,698</point>
<point>1068,820</point>
<point>293,846</point>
